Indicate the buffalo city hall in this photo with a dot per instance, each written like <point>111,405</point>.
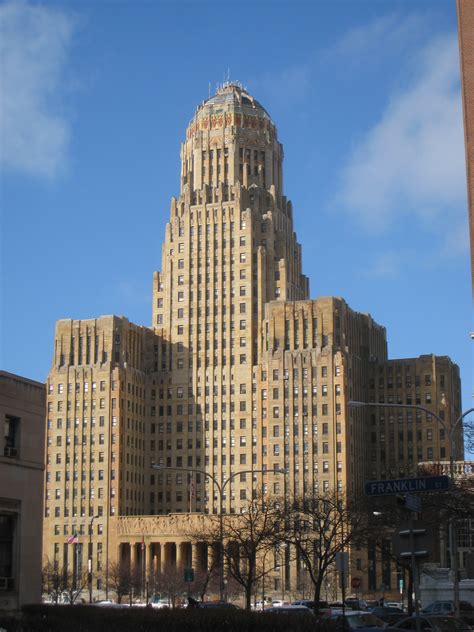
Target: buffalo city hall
<point>241,375</point>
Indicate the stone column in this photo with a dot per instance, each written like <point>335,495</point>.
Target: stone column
<point>180,555</point>
<point>149,560</point>
<point>165,556</point>
<point>133,555</point>
<point>157,559</point>
<point>196,561</point>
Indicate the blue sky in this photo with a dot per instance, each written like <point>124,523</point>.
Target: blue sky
<point>365,94</point>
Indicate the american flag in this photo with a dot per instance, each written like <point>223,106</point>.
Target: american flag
<point>73,539</point>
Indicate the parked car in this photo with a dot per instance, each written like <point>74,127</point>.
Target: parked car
<point>262,605</point>
<point>291,609</point>
<point>389,614</point>
<point>354,603</point>
<point>432,623</point>
<point>395,604</point>
<point>359,620</point>
<point>160,603</point>
<point>323,608</point>
<point>212,605</point>
<point>446,607</point>
<point>370,603</point>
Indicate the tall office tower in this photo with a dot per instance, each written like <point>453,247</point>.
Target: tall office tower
<point>229,250</point>
<point>240,376</point>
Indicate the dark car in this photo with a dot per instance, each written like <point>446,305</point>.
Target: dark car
<point>323,607</point>
<point>291,610</point>
<point>357,620</point>
<point>446,607</point>
<point>217,605</point>
<point>389,614</point>
<point>432,623</point>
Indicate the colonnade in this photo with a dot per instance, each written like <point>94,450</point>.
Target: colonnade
<point>156,557</point>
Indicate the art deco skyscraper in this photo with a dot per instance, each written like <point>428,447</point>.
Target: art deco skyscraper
<point>240,376</point>
<point>229,250</point>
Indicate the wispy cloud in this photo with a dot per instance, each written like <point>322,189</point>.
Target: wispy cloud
<point>386,32</point>
<point>411,162</point>
<point>34,46</point>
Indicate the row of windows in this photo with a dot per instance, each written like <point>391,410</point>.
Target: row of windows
<point>398,399</point>
<point>85,387</point>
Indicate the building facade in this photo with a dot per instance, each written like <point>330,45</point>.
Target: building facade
<point>22,405</point>
<point>465,11</point>
<point>240,376</point>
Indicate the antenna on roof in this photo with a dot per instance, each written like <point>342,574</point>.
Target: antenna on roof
<point>209,89</point>
<point>228,75</point>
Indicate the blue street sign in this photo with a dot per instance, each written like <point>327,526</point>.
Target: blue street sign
<point>407,486</point>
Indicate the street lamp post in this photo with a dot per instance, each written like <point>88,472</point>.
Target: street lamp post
<point>450,432</point>
<point>220,488</point>
<point>89,561</point>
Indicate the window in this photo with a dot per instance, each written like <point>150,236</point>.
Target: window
<point>180,297</point>
<point>324,371</point>
<point>11,436</point>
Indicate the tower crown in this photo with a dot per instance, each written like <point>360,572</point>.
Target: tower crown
<point>233,96</point>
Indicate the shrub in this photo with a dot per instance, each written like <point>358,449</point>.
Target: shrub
<point>51,618</point>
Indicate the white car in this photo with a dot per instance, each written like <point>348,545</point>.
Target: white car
<point>160,603</point>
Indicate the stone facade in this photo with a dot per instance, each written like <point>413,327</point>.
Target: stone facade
<point>240,376</point>
<point>465,10</point>
<point>22,405</point>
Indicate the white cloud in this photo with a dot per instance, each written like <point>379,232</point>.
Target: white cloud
<point>34,43</point>
<point>412,161</point>
<point>387,33</point>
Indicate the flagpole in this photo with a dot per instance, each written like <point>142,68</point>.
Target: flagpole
<point>77,562</point>
<point>191,491</point>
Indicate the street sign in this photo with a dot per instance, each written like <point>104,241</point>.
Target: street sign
<point>407,486</point>
<point>342,567</point>
<point>413,503</point>
<point>189,574</point>
<point>413,538</point>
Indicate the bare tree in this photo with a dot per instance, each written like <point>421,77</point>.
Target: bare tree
<point>62,582</point>
<point>207,579</point>
<point>119,579</point>
<point>170,582</point>
<point>318,527</point>
<point>249,536</point>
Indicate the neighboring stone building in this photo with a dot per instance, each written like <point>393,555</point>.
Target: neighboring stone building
<point>465,10</point>
<point>241,375</point>
<point>22,406</point>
